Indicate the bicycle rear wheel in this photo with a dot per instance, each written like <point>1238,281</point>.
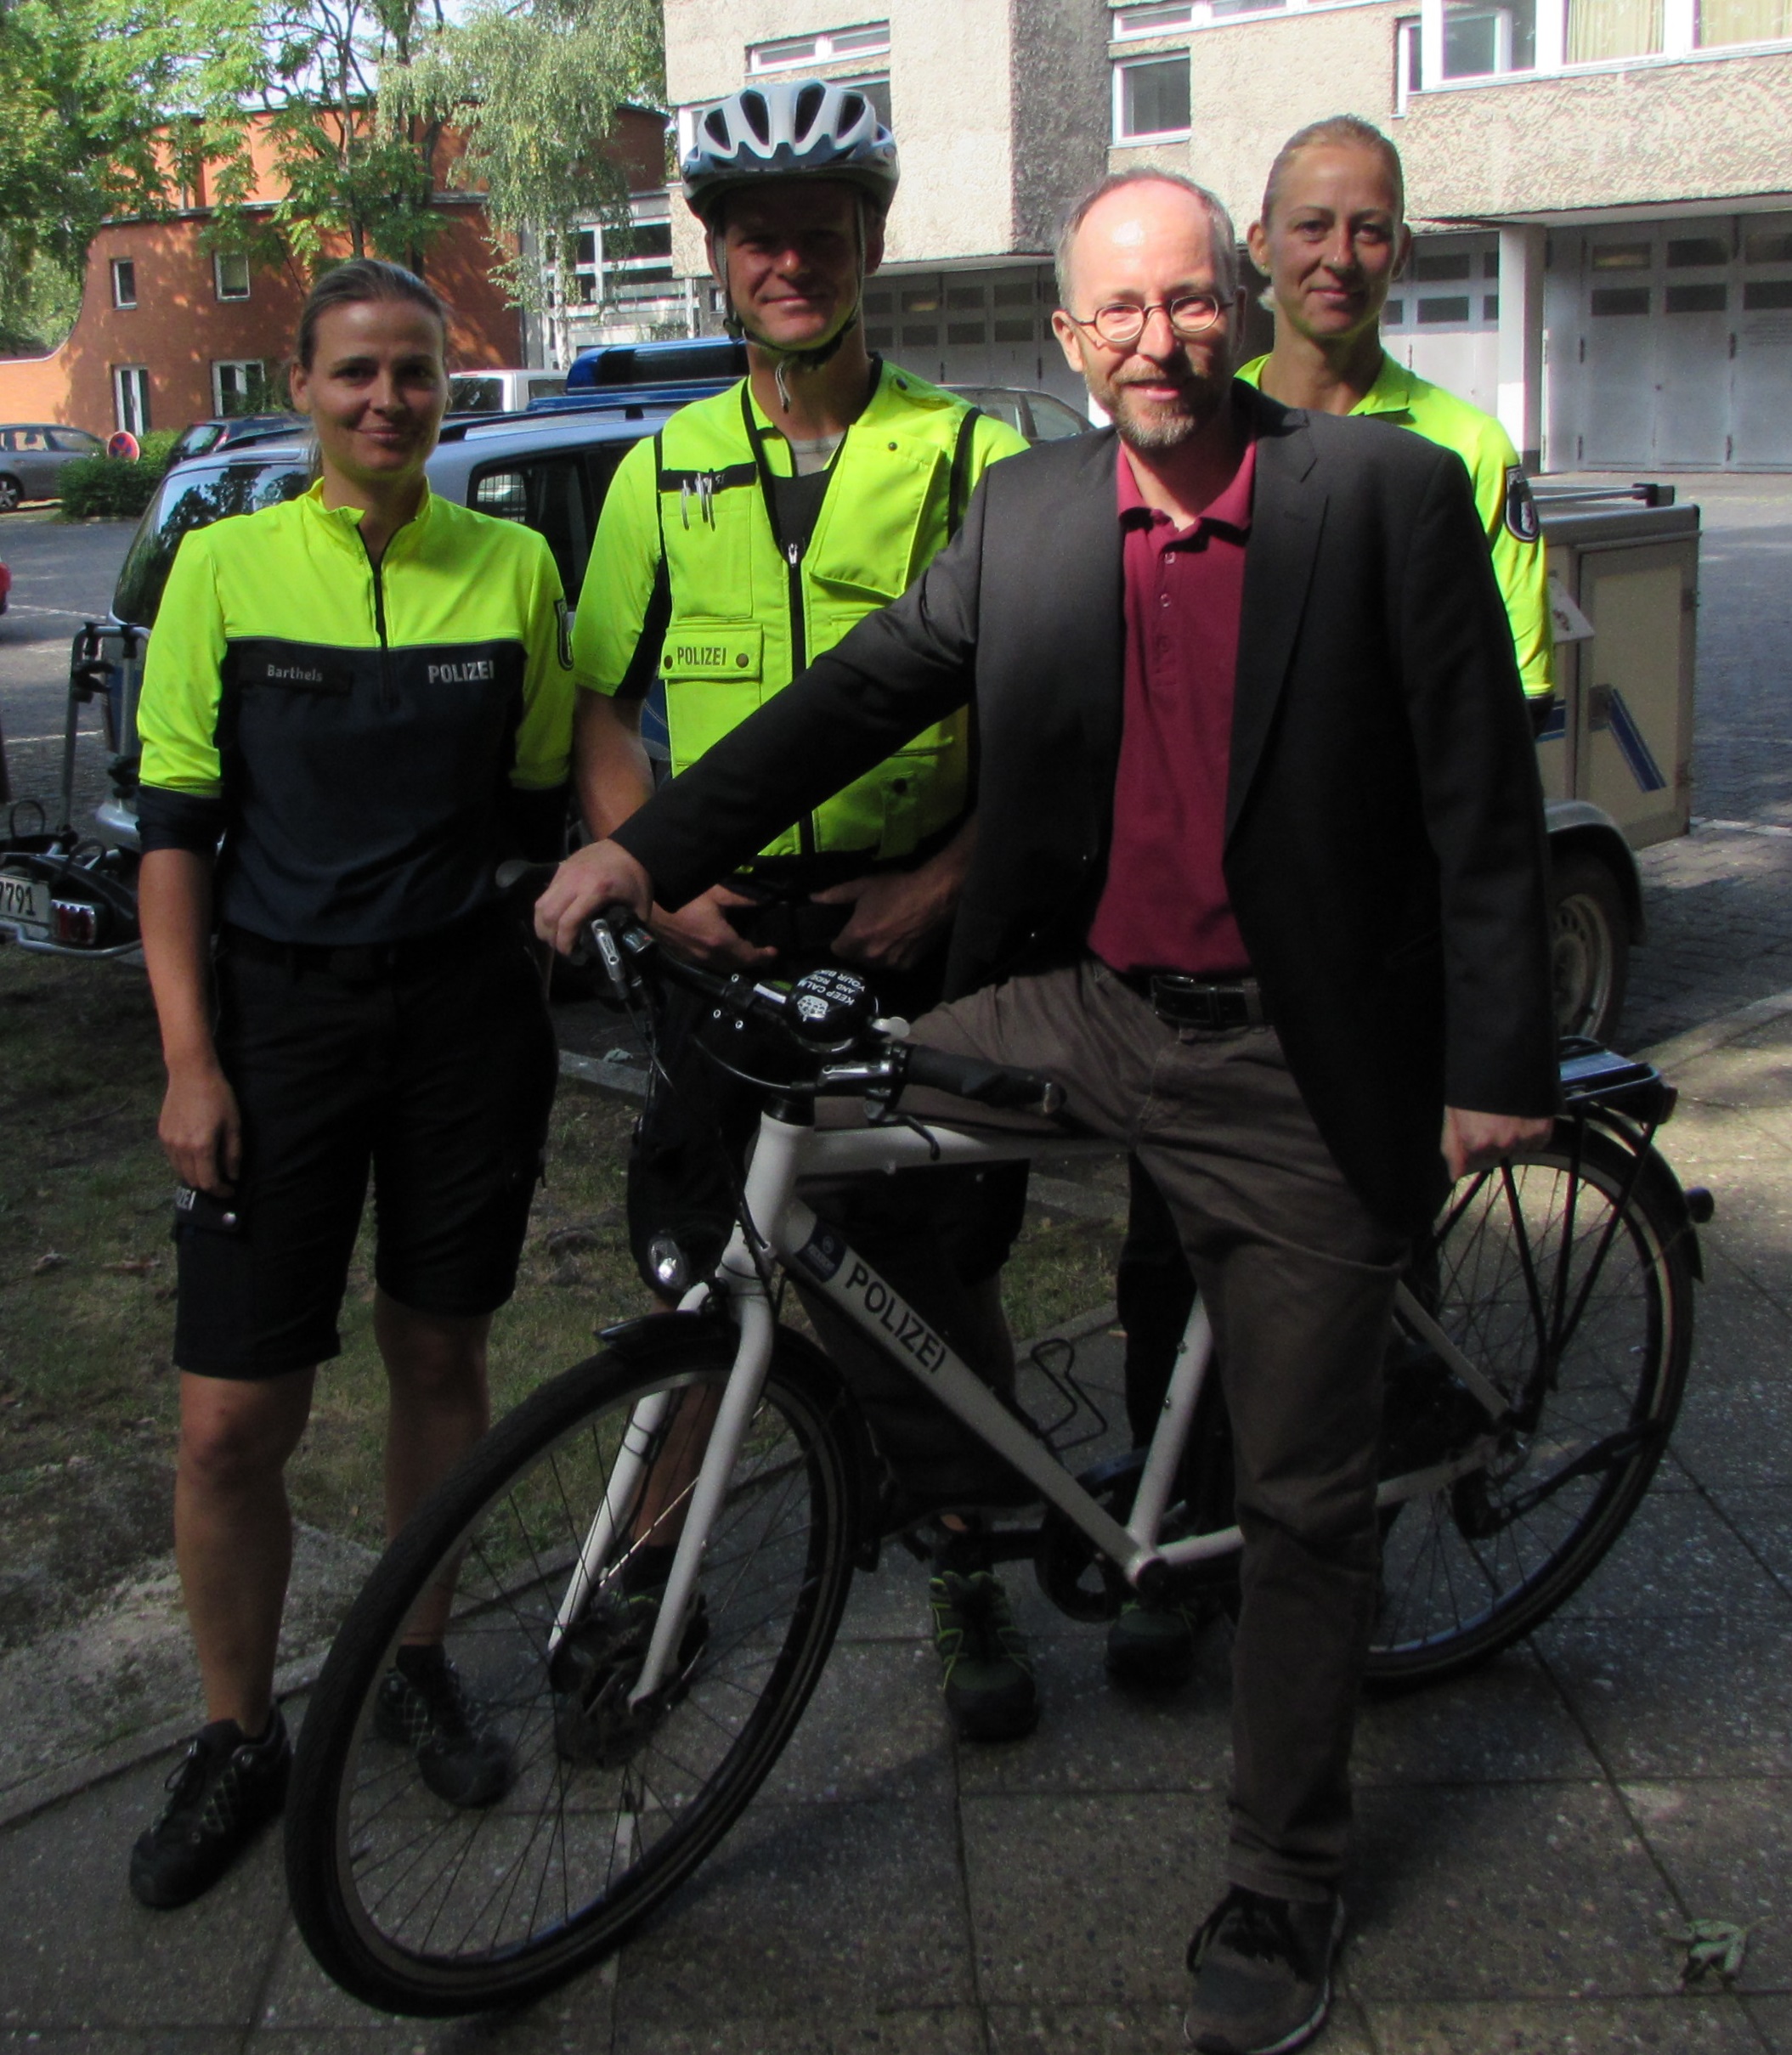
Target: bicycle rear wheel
<point>1475,1566</point>
<point>415,1906</point>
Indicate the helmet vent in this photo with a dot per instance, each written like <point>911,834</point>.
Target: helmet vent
<point>715,127</point>
<point>808,106</point>
<point>753,112</point>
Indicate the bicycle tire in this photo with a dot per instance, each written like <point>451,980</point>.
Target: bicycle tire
<point>1474,1567</point>
<point>415,1907</point>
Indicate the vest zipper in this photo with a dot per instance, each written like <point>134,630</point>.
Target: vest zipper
<point>388,699</point>
<point>799,664</point>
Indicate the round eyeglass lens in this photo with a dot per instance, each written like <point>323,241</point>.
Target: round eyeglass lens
<point>1191,315</point>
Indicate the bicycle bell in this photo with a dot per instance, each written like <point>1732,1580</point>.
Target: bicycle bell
<point>830,1010</point>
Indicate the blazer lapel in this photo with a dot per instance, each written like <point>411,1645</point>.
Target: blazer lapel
<point>1079,578</point>
<point>1287,515</point>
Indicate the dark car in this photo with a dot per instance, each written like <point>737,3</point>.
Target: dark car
<point>32,455</point>
<point>197,438</point>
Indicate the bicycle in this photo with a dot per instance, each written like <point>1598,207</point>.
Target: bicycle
<point>1542,1345</point>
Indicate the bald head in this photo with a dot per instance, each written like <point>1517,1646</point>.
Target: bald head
<point>1131,208</point>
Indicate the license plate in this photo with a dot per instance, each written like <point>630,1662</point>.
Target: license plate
<point>24,898</point>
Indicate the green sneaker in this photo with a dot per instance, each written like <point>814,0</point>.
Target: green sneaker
<point>1152,1644</point>
<point>990,1689</point>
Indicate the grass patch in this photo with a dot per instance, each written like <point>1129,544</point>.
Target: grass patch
<point>87,1390</point>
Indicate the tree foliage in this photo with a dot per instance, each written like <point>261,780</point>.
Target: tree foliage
<point>535,87</point>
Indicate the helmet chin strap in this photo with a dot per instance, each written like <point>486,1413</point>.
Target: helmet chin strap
<point>784,360</point>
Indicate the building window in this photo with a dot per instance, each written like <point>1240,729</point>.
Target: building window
<point>131,397</point>
<point>829,47</point>
<point>1152,99</point>
<point>240,385</point>
<point>1685,252</point>
<point>1724,21</point>
<point>1433,312</point>
<point>1767,246</point>
<point>124,282</point>
<point>1409,61</point>
<point>1449,265</point>
<point>1484,41</point>
<point>1622,256</point>
<point>230,274</point>
<point>1155,20</point>
<point>625,265</point>
<point>1599,30</point>
<point>1760,295</point>
<point>1697,299</point>
<point>1608,300</point>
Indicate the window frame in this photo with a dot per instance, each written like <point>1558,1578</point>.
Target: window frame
<point>256,365</point>
<point>821,46</point>
<point>123,264</point>
<point>1122,137</point>
<point>219,259</point>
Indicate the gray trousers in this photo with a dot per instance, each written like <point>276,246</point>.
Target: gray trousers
<point>1298,1277</point>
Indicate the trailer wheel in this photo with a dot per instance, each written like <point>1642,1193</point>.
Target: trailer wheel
<point>1590,948</point>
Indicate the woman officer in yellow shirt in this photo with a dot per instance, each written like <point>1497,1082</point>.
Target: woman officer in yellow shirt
<point>352,705</point>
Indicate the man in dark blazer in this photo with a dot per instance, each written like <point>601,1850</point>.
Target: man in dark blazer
<point>1260,878</point>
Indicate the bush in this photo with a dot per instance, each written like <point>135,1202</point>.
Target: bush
<point>108,488</point>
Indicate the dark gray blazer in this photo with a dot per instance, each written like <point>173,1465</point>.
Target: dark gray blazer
<point>1384,844</point>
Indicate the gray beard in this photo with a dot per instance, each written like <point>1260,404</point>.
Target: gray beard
<point>1153,429</point>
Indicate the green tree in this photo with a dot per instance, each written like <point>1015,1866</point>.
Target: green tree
<point>85,90</point>
<point>535,87</point>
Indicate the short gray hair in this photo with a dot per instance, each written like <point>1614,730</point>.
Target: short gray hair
<point>1219,222</point>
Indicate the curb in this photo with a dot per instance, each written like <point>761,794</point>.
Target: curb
<point>1712,1035</point>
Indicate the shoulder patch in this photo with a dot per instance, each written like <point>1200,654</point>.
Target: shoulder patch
<point>565,622</point>
<point>1520,510</point>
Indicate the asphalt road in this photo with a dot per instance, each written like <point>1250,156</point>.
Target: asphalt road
<point>62,573</point>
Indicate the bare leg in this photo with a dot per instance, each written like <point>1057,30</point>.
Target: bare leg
<point>437,1407</point>
<point>233,1532</point>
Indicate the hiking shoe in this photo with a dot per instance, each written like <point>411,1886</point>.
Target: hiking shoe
<point>423,1706</point>
<point>222,1793</point>
<point>1263,1974</point>
<point>990,1689</point>
<point>1152,1644</point>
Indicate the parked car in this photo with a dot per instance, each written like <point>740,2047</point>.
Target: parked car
<point>502,390</point>
<point>220,431</point>
<point>33,453</point>
<point>1036,415</point>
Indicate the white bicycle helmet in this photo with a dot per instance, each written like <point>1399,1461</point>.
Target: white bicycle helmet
<point>791,128</point>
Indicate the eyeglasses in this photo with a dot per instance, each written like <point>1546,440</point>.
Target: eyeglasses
<point>1120,326</point>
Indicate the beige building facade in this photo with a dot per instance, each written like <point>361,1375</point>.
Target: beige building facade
<point>1602,188</point>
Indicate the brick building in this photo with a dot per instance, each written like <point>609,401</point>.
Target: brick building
<point>168,333</point>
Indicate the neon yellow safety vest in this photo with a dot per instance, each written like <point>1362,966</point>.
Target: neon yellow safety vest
<point>354,733</point>
<point>1502,496</point>
<point>688,582</point>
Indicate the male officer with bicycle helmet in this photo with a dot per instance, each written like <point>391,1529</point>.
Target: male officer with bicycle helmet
<point>741,543</point>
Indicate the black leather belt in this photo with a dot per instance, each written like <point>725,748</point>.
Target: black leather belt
<point>368,963</point>
<point>1201,1002</point>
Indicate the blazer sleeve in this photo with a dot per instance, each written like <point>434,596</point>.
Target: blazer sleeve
<point>1483,809</point>
<point>899,671</point>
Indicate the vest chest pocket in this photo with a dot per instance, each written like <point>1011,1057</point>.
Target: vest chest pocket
<point>713,655</point>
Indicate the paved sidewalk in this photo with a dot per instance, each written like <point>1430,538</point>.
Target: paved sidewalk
<point>1526,1835</point>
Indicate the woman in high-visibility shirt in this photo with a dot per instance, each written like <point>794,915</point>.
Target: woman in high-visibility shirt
<point>1333,239</point>
<point>354,704</point>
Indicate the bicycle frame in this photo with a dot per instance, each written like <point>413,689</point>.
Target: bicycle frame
<point>786,1153</point>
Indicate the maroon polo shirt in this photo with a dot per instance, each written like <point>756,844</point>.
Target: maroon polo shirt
<point>1164,905</point>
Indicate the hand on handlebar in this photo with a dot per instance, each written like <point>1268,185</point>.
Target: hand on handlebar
<point>702,933</point>
<point>590,879</point>
<point>1472,1141</point>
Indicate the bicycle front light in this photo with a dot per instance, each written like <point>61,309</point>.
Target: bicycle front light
<point>671,1266</point>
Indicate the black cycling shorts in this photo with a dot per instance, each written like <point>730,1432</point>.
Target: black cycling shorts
<point>437,1075</point>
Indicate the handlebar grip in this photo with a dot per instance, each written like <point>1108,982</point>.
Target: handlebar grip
<point>990,1084</point>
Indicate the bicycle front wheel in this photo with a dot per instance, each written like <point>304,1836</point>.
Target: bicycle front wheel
<point>417,1904</point>
<point>1568,1280</point>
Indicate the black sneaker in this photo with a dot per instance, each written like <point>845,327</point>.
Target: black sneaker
<point>1263,1974</point>
<point>223,1791</point>
<point>1152,1644</point>
<point>600,1659</point>
<point>990,1688</point>
<point>424,1707</point>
